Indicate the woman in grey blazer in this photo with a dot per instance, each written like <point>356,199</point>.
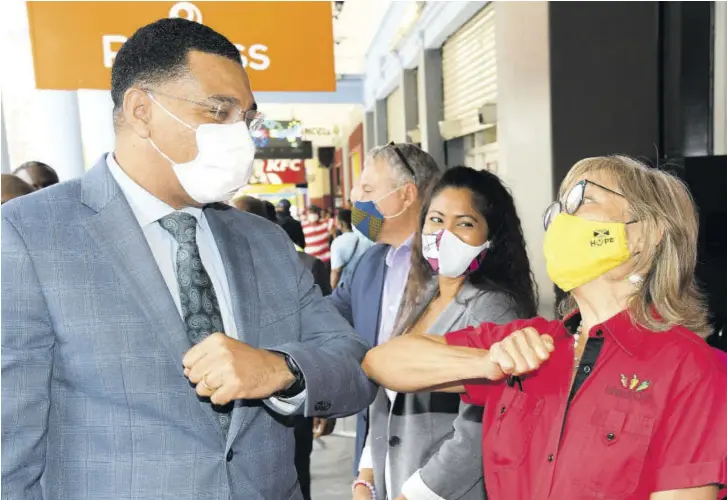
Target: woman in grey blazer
<point>469,266</point>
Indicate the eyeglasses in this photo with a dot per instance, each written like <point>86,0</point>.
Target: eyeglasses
<point>403,159</point>
<point>223,111</point>
<point>573,201</point>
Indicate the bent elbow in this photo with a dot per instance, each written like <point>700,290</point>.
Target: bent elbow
<point>366,364</point>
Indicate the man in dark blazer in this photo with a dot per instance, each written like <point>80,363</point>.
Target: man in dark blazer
<point>291,226</point>
<point>395,177</point>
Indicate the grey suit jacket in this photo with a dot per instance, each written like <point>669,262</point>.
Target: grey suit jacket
<point>436,433</point>
<point>95,404</point>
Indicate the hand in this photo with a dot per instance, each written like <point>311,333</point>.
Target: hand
<point>225,369</point>
<point>361,493</point>
<point>520,352</point>
<point>323,427</point>
<point>401,497</point>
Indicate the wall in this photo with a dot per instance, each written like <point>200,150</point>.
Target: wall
<point>356,156</point>
<point>605,93</point>
<point>523,121</point>
<point>436,23</point>
<point>720,78</point>
<point>319,184</point>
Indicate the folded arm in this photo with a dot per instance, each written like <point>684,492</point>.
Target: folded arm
<point>329,355</point>
<point>413,363</point>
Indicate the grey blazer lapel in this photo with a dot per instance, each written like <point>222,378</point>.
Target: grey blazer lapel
<point>237,259</point>
<point>117,233</point>
<point>376,284</point>
<point>454,312</point>
<point>234,248</point>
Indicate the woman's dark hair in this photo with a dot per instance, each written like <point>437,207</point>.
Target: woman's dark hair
<point>506,267</point>
<point>344,215</point>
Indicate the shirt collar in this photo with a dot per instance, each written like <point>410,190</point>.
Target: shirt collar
<point>627,335</point>
<point>146,207</point>
<point>403,249</point>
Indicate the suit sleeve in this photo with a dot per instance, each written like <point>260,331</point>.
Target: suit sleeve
<point>27,360</point>
<point>340,299</point>
<point>329,355</point>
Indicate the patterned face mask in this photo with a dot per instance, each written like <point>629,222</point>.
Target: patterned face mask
<point>368,220</point>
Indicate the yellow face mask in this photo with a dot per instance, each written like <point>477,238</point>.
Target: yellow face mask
<point>579,250</point>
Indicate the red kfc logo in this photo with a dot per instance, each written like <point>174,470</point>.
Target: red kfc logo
<point>284,171</point>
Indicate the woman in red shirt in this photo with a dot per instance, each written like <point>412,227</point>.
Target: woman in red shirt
<point>622,399</point>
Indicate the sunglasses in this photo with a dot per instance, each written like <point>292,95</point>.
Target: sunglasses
<point>403,159</point>
<point>573,201</point>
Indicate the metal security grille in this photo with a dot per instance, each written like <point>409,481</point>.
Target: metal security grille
<point>395,125</point>
<point>469,73</point>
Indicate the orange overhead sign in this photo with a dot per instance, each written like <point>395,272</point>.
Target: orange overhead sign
<point>285,46</point>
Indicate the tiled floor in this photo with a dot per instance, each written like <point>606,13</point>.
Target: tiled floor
<point>332,468</point>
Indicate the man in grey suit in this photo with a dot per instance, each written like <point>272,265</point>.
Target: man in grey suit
<point>154,341</point>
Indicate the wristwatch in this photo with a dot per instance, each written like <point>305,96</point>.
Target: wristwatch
<point>298,384</point>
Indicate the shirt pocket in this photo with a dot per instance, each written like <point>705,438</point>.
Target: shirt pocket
<point>618,443</point>
<point>507,441</point>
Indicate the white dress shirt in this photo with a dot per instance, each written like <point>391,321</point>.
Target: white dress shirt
<point>148,209</point>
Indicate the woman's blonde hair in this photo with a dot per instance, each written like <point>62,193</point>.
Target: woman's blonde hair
<point>661,202</point>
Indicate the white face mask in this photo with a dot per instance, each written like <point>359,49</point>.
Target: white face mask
<point>224,161</point>
<point>313,218</point>
<point>449,256</point>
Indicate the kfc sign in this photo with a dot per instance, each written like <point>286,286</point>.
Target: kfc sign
<point>280,171</point>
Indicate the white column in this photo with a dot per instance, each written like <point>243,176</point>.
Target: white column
<point>523,124</point>
<point>97,127</point>
<point>4,153</point>
<point>58,139</point>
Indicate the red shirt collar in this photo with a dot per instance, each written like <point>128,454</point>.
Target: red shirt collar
<point>620,327</point>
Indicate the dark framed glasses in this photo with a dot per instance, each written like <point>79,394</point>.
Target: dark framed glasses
<point>403,159</point>
<point>573,201</point>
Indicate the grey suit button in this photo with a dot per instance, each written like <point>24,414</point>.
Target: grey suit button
<point>230,454</point>
<point>323,406</point>
<point>394,441</point>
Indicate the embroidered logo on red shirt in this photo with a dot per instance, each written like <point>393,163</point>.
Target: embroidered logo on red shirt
<point>634,384</point>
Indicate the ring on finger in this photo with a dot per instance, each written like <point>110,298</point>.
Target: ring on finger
<point>206,385</point>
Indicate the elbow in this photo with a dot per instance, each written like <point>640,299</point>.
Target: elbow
<point>369,363</point>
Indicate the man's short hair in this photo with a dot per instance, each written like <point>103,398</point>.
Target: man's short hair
<point>425,169</point>
<point>42,174</point>
<point>344,215</point>
<point>13,187</point>
<point>283,205</point>
<point>158,52</point>
<point>314,209</point>
<point>251,205</point>
<point>270,210</point>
